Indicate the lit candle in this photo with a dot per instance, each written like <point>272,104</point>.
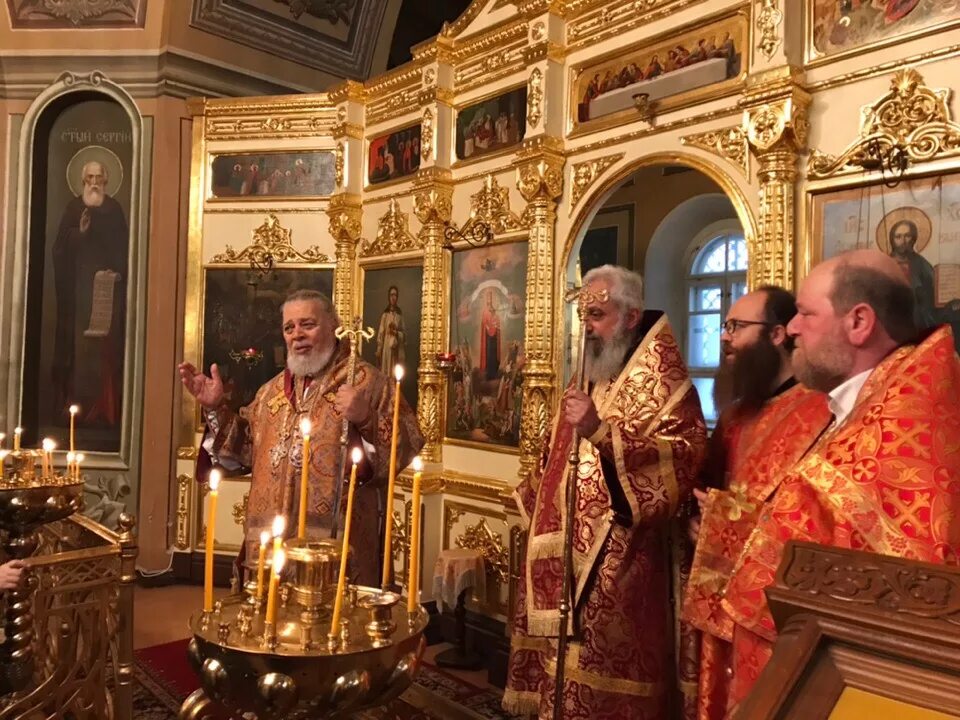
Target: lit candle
<point>391,479</point>
<point>345,550</point>
<point>279,526</point>
<point>17,432</point>
<point>208,560</point>
<point>278,561</point>
<point>71,458</point>
<point>48,447</point>
<point>261,561</point>
<point>304,478</point>
<point>74,409</point>
<point>3,464</point>
<point>77,459</point>
<point>3,436</point>
<point>413,584</point>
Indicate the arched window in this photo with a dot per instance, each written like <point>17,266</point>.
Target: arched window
<point>717,277</point>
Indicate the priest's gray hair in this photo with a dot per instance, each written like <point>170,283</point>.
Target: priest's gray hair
<point>325,303</point>
<point>626,287</point>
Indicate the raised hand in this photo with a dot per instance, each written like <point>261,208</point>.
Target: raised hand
<point>10,574</point>
<point>353,403</point>
<point>207,390</point>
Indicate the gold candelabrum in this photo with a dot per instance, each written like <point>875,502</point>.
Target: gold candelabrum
<point>32,494</point>
<point>296,667</point>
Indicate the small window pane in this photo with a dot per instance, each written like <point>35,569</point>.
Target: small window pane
<point>739,290</point>
<point>704,386</point>
<point>738,254</point>
<point>706,297</point>
<point>704,340</point>
<point>713,258</point>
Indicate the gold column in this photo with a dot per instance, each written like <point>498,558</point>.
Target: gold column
<point>540,181</point>
<point>433,205</point>
<point>344,212</point>
<point>127,541</point>
<point>776,124</point>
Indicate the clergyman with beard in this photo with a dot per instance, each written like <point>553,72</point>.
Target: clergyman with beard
<point>880,476</point>
<point>643,439</point>
<point>767,422</point>
<point>265,436</point>
<point>90,280</point>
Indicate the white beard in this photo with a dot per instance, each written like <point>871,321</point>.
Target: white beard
<point>605,361</point>
<point>312,364</point>
<point>92,196</point>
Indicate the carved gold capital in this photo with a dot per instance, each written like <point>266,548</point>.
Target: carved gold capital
<point>433,196</point>
<point>780,122</point>
<point>540,169</point>
<point>344,212</point>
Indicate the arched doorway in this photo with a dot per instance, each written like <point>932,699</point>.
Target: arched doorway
<point>686,227</point>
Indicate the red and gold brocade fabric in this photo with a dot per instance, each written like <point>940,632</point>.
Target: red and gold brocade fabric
<point>265,436</point>
<point>886,481</point>
<point>632,476</point>
<point>759,449</point>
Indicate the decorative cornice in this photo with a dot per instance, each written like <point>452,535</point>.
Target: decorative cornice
<point>730,143</point>
<point>586,173</point>
<point>272,243</point>
<point>170,73</point>
<point>348,90</point>
<point>589,21</point>
<point>490,56</point>
<point>910,116</point>
<point>393,234</point>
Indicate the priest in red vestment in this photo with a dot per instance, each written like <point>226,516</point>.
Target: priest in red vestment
<point>643,441</point>
<point>265,435</point>
<point>767,422</point>
<point>883,476</point>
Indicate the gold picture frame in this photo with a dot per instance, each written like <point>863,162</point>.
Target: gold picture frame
<point>831,23</point>
<point>278,174</point>
<point>729,31</point>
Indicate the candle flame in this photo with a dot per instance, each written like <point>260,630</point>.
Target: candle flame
<point>417,464</point>
<point>279,525</point>
<point>74,409</point>
<point>398,372</point>
<point>264,538</point>
<point>18,431</point>
<point>278,561</point>
<point>215,477</point>
<point>356,455</point>
<point>48,445</point>
<point>3,455</point>
<point>71,456</point>
<point>3,436</point>
<point>305,426</point>
<point>79,457</point>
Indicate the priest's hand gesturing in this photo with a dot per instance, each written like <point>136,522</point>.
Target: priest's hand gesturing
<point>579,411</point>
<point>353,403</point>
<point>207,390</point>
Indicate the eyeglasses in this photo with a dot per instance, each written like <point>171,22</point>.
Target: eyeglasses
<point>731,326</point>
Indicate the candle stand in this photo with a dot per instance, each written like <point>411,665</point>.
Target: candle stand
<point>29,499</point>
<point>296,669</point>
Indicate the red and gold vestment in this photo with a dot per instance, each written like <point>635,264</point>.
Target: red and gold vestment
<point>758,448</point>
<point>265,436</point>
<point>886,480</point>
<point>632,477</point>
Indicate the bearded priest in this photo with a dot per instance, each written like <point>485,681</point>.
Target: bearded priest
<point>643,438</point>
<point>265,435</point>
<point>883,476</point>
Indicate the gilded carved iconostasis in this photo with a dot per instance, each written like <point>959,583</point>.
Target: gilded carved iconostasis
<point>713,145</point>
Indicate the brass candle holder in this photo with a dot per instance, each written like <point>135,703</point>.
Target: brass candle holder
<point>29,499</point>
<point>292,668</point>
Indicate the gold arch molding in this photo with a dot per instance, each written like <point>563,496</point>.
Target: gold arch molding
<point>595,197</point>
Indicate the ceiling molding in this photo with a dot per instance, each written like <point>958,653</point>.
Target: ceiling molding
<point>170,73</point>
<point>291,39</point>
